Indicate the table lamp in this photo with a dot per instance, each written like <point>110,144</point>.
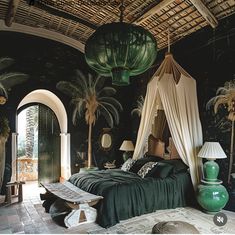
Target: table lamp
<point>128,147</point>
<point>211,151</point>
<point>211,195</point>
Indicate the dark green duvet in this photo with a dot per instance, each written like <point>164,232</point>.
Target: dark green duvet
<point>127,195</point>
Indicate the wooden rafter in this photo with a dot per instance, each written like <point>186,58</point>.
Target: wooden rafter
<point>65,15</point>
<point>153,10</point>
<point>11,12</point>
<point>205,12</point>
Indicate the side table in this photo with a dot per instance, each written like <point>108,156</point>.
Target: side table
<point>14,189</point>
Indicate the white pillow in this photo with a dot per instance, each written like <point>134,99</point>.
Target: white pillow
<point>128,164</point>
<point>143,171</point>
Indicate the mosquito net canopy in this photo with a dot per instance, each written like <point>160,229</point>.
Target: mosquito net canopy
<point>174,90</point>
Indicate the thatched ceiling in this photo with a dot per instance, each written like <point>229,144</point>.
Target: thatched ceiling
<point>73,21</point>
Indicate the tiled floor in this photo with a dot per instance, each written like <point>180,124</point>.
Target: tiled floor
<point>28,216</point>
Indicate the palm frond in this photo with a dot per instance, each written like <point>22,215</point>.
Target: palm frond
<point>139,108</point>
<point>137,111</point>
<point>109,91</point>
<point>112,109</point>
<point>220,101</point>
<point>80,103</point>
<point>222,90</point>
<point>90,81</point>
<point>9,80</point>
<point>81,80</point>
<point>3,91</point>
<point>213,100</point>
<point>5,62</point>
<point>112,101</point>
<point>107,115</point>
<point>99,83</point>
<point>69,89</point>
<point>74,116</point>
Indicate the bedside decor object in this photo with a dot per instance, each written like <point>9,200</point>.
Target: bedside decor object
<point>110,165</point>
<point>128,147</point>
<point>120,50</point>
<point>212,195</point>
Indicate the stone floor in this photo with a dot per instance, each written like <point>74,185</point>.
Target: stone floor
<point>29,217</point>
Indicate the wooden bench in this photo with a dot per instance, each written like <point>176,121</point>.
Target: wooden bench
<point>77,199</point>
<point>14,189</point>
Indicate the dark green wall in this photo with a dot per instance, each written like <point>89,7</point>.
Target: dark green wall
<point>48,62</point>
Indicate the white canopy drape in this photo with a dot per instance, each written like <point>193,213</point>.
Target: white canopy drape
<point>176,90</point>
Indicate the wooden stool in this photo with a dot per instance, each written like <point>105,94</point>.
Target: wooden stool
<point>14,189</point>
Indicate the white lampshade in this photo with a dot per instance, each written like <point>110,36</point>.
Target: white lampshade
<point>127,145</point>
<point>212,150</point>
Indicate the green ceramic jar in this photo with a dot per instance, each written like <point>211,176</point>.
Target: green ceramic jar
<point>212,197</point>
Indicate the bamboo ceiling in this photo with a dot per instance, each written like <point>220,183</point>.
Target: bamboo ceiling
<point>78,19</point>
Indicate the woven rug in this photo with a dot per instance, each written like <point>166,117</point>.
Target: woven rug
<point>144,223</point>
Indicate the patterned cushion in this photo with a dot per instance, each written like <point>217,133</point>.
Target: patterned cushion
<point>128,164</point>
<point>140,162</point>
<point>146,168</point>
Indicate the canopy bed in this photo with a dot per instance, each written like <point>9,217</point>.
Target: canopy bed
<point>126,194</point>
<point>147,183</point>
<point>173,90</point>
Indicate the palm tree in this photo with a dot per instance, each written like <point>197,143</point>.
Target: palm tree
<point>139,108</point>
<point>8,80</point>
<point>31,126</point>
<point>4,133</point>
<point>90,96</point>
<point>225,97</point>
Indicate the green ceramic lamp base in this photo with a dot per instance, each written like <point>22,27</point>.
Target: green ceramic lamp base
<point>211,170</point>
<point>211,195</point>
<point>212,198</point>
<point>126,155</point>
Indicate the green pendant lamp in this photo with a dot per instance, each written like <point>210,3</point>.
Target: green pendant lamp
<point>120,50</point>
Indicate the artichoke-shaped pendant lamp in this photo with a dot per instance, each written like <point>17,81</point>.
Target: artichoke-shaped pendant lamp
<point>120,50</point>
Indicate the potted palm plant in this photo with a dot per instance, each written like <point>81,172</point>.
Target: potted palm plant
<point>91,99</point>
<point>225,98</point>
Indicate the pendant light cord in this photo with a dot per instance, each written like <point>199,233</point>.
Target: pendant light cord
<point>121,8</point>
<point>168,41</point>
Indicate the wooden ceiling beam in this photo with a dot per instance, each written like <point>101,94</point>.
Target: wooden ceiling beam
<point>11,12</point>
<point>153,11</point>
<point>63,14</point>
<point>205,12</point>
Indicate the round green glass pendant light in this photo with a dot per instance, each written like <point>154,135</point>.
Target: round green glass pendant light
<point>120,50</point>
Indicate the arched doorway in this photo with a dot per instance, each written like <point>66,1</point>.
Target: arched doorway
<point>50,100</point>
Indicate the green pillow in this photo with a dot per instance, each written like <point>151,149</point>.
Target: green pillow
<point>161,170</point>
<point>178,165</point>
